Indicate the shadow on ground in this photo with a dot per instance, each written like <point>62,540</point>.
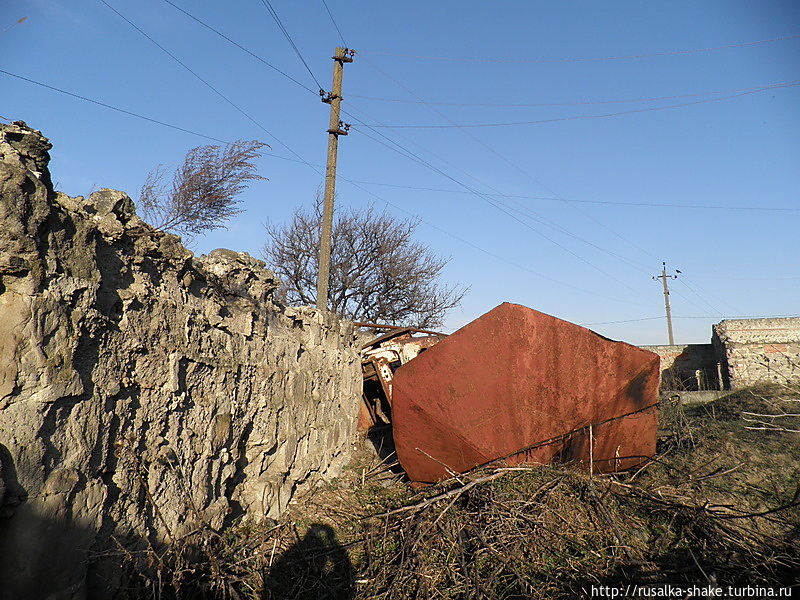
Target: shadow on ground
<point>316,567</point>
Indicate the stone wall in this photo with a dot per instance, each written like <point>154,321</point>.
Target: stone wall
<point>143,390</point>
<point>688,366</point>
<point>758,350</point>
<point>743,352</point>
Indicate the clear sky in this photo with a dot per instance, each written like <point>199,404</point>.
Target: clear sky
<point>590,228</point>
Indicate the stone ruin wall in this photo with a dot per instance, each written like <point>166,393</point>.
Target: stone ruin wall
<point>142,389</point>
<point>687,366</point>
<point>758,350</point>
<point>742,352</point>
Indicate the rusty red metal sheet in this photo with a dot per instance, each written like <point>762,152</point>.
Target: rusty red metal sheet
<point>525,386</point>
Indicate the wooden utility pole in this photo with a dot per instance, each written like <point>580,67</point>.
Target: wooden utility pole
<point>663,277</point>
<point>335,129</point>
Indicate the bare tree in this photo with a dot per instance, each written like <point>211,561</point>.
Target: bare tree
<point>378,272</point>
<point>203,192</point>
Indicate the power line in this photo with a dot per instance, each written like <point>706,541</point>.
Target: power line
<point>689,283</point>
<point>552,104</point>
<point>693,317</point>
<point>204,80</point>
<point>143,117</point>
<point>524,197</point>
<point>268,5</point>
<point>114,108</point>
<point>353,182</point>
<point>527,174</point>
<point>568,233</point>
<point>309,164</point>
<point>594,58</point>
<point>499,206</point>
<point>696,293</point>
<point>623,321</point>
<point>276,156</point>
<point>402,151</point>
<point>210,86</point>
<point>606,202</point>
<point>339,31</point>
<point>789,278</point>
<point>793,316</point>
<point>238,45</point>
<point>482,143</point>
<point>657,204</point>
<point>484,250</point>
<point>787,84</point>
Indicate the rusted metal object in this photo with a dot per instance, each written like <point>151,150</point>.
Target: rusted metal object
<point>379,359</point>
<point>520,385</point>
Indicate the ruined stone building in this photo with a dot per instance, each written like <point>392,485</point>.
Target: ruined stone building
<point>742,352</point>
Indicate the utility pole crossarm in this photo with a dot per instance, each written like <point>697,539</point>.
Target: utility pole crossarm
<point>664,277</point>
<point>335,129</point>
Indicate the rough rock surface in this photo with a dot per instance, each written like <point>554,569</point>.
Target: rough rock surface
<point>143,389</point>
<point>754,351</point>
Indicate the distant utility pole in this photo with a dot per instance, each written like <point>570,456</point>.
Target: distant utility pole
<point>336,128</point>
<point>663,277</point>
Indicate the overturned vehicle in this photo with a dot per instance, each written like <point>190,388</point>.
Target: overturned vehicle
<point>514,385</point>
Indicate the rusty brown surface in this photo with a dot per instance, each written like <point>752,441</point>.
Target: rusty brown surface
<point>514,378</point>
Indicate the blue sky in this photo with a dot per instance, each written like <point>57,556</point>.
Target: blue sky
<point>587,254</point>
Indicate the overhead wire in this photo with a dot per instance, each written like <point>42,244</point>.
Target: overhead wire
<point>228,39</point>
<point>537,218</point>
<point>505,159</point>
<point>484,250</point>
<point>568,233</point>
<point>561,199</point>
<point>408,154</point>
<point>657,204</point>
<point>130,113</point>
<point>696,289</point>
<point>502,157</point>
<point>582,201</point>
<point>691,317</point>
<point>622,321</point>
<point>785,84</point>
<point>556,104</point>
<point>355,183</point>
<point>210,86</point>
<point>268,5</point>
<point>685,284</point>
<point>339,31</point>
<point>420,100</point>
<point>238,45</point>
<point>114,108</point>
<point>371,193</point>
<point>593,58</point>
<point>402,151</point>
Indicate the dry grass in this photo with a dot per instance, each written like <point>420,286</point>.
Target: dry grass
<point>718,504</point>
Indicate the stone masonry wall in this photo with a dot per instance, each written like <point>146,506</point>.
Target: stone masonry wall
<point>758,350</point>
<point>687,366</point>
<point>143,390</point>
